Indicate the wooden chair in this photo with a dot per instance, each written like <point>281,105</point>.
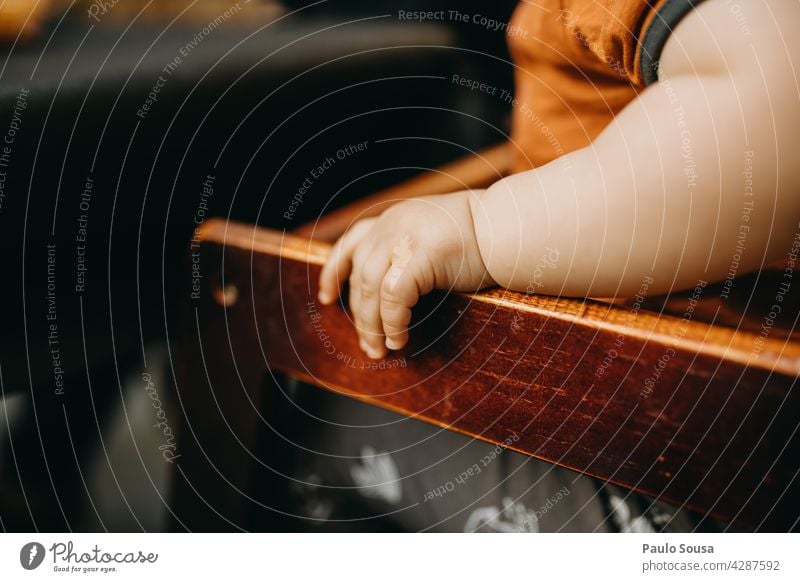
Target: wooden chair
<point>690,401</point>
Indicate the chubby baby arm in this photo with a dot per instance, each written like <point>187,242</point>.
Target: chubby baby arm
<point>666,190</point>
<point>659,194</point>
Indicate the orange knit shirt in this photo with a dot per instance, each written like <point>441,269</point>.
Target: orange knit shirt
<point>578,63</point>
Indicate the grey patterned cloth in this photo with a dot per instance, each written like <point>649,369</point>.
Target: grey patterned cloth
<point>356,467</point>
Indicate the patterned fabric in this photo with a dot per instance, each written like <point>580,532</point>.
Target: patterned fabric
<point>356,467</point>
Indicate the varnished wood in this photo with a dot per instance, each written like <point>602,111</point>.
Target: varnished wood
<point>716,433</point>
<point>476,171</point>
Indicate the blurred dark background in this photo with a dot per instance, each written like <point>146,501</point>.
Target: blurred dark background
<point>258,100</point>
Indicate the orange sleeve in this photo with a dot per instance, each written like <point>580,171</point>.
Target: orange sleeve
<point>625,35</point>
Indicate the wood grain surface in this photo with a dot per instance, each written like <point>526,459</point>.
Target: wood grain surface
<point>699,413</point>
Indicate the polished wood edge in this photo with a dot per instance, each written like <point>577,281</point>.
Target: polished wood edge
<point>265,241</point>
<point>723,343</point>
<point>718,342</point>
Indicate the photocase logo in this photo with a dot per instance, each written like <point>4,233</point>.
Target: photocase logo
<point>31,555</point>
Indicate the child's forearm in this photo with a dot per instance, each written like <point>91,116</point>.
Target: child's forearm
<point>699,161</point>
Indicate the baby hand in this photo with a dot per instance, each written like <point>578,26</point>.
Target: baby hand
<point>414,247</point>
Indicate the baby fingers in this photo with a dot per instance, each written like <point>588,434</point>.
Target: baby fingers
<point>386,281</point>
<point>399,293</point>
<point>340,262</point>
<point>365,302</point>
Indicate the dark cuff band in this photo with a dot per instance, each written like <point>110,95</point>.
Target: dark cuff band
<point>656,35</point>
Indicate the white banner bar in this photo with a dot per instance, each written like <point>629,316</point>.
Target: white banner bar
<point>401,557</point>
